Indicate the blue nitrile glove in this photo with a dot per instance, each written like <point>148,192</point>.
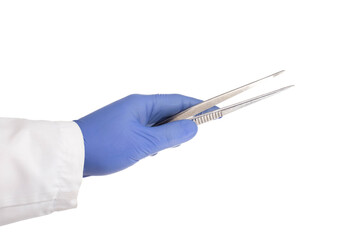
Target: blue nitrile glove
<point>120,134</point>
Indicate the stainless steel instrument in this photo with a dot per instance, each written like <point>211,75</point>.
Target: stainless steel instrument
<point>192,113</point>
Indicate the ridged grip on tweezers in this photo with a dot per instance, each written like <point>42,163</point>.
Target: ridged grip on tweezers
<point>206,117</point>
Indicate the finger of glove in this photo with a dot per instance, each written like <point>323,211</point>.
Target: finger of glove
<point>167,105</point>
<point>172,134</point>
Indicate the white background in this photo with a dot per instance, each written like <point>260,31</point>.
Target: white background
<point>284,168</point>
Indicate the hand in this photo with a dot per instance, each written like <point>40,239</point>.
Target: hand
<point>120,134</point>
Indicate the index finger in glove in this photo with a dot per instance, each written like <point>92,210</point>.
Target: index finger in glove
<point>166,105</point>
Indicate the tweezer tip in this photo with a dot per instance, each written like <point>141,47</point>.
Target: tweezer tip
<point>278,73</point>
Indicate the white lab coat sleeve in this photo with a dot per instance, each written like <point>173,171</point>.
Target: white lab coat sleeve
<point>41,167</point>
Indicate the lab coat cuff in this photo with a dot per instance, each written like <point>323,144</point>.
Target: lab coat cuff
<point>72,154</point>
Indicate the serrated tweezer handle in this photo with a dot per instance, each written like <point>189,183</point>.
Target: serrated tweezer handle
<point>206,117</point>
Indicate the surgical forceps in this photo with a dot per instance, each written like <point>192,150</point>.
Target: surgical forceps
<point>192,113</point>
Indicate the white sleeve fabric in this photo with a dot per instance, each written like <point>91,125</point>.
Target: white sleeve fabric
<point>41,167</point>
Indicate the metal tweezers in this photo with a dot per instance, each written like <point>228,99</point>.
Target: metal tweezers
<point>192,113</point>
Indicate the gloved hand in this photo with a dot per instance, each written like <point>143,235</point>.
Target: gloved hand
<point>120,134</point>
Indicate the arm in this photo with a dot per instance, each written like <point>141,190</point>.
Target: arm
<point>42,162</point>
